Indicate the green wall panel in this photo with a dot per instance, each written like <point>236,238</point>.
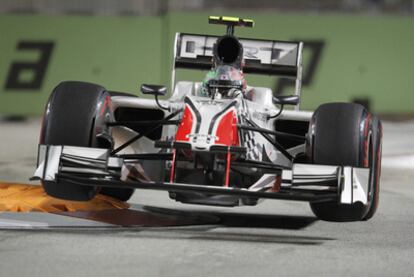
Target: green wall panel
<point>363,56</point>
<point>119,53</point>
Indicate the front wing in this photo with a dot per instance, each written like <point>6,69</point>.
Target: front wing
<point>303,182</point>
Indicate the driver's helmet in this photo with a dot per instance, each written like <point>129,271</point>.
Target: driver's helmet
<point>225,79</point>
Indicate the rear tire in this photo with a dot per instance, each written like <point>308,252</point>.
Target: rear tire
<point>348,135</point>
<point>75,115</point>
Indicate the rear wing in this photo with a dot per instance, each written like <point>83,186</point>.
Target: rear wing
<point>268,57</point>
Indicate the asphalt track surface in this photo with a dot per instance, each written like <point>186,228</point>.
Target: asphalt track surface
<point>275,238</point>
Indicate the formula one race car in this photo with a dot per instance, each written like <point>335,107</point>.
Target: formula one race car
<point>216,142</point>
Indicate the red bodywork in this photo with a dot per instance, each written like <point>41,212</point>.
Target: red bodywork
<point>226,133</point>
<point>227,130</point>
<point>186,125</point>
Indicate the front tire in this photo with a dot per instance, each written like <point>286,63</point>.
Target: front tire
<point>76,115</point>
<point>348,135</point>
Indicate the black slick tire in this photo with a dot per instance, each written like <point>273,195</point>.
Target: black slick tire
<point>75,115</point>
<point>346,134</point>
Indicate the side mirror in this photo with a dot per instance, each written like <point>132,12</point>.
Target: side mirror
<point>156,90</point>
<point>286,100</point>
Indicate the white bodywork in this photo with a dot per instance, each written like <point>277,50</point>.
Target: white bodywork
<point>256,104</point>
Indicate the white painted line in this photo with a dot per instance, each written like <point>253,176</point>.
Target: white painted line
<point>21,224</point>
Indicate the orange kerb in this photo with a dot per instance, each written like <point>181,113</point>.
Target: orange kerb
<point>32,198</point>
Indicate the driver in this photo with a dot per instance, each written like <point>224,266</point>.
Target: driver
<point>224,81</point>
